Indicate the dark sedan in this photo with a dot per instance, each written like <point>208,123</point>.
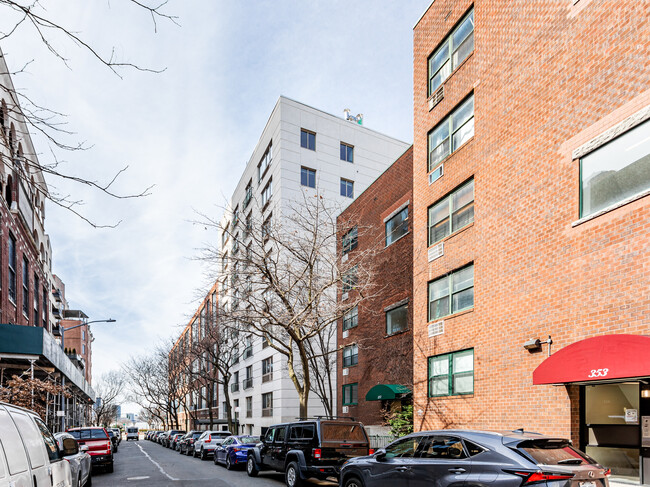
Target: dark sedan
<point>186,444</point>
<point>234,450</point>
<point>450,458</point>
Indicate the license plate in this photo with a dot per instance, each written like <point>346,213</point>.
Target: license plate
<point>587,484</point>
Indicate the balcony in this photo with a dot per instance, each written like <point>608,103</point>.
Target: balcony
<point>248,352</point>
<point>267,413</point>
<point>234,387</point>
<point>248,383</point>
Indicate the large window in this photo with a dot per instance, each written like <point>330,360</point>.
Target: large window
<point>451,293</point>
<point>37,294</point>
<point>307,139</point>
<point>267,192</point>
<point>25,286</point>
<point>347,152</point>
<point>456,129</point>
<point>347,188</point>
<point>249,407</point>
<point>249,194</point>
<point>451,213</point>
<point>307,177</point>
<point>267,369</point>
<point>264,163</point>
<point>616,171</point>
<point>453,51</point>
<point>350,394</point>
<point>267,404</point>
<point>350,355</point>
<point>397,226</point>
<point>451,374</point>
<point>12,267</point>
<point>351,318</point>
<point>350,240</point>
<point>397,320</point>
<point>350,279</point>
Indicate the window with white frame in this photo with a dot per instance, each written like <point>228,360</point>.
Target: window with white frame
<point>347,188</point>
<point>307,139</point>
<point>456,129</point>
<point>347,152</point>
<point>451,213</point>
<point>397,320</point>
<point>267,369</point>
<point>451,293</point>
<point>307,177</point>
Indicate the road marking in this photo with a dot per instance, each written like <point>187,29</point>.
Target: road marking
<point>155,463</point>
<point>144,477</point>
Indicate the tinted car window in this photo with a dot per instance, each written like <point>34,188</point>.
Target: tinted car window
<point>404,448</point>
<point>473,448</point>
<point>555,453</point>
<point>280,434</point>
<point>196,435</point>
<point>268,438</point>
<point>89,434</point>
<point>442,447</point>
<point>342,432</point>
<point>13,445</point>
<point>48,439</point>
<point>302,432</point>
<point>249,439</point>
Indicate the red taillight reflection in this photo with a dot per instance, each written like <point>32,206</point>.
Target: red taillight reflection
<point>539,476</point>
<point>371,451</point>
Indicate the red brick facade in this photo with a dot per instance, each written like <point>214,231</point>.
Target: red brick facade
<point>546,77</point>
<point>382,359</point>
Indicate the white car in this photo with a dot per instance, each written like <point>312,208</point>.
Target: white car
<point>208,441</point>
<point>80,462</point>
<point>132,433</point>
<point>30,455</point>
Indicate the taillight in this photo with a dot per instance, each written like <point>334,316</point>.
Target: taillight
<point>607,472</point>
<point>317,453</point>
<point>108,445</point>
<point>209,438</point>
<point>539,476</point>
<point>371,451</point>
<point>237,449</point>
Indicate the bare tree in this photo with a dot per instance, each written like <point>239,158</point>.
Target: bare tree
<point>285,282</point>
<point>21,115</point>
<point>110,388</point>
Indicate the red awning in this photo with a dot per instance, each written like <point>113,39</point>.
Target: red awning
<point>598,358</point>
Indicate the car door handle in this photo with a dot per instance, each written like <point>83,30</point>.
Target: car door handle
<point>457,470</point>
<point>402,469</point>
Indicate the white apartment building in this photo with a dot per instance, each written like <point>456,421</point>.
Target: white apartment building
<point>300,148</point>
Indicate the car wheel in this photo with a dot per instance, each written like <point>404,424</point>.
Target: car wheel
<point>292,476</point>
<point>353,482</point>
<point>89,481</point>
<point>251,468</point>
<point>203,457</point>
<point>110,468</point>
<point>229,464</point>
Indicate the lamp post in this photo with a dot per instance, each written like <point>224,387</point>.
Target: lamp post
<point>63,330</point>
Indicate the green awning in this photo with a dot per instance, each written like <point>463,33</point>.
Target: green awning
<point>383,392</point>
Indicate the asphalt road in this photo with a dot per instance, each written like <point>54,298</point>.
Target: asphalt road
<point>143,464</point>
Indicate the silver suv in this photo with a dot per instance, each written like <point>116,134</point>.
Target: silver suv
<point>208,441</point>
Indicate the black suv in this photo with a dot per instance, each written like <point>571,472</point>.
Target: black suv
<point>314,448</point>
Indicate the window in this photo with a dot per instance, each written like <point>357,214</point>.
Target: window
<point>37,294</point>
<point>267,405</point>
<point>235,217</point>
<point>44,307</point>
<point>249,407</point>
<point>350,279</point>
<point>248,225</point>
<point>266,228</point>
<point>397,226</point>
<point>307,139</point>
<point>350,394</point>
<point>224,235</point>
<point>235,354</point>
<point>267,369</point>
<point>404,448</point>
<point>308,177</point>
<point>456,129</point>
<point>347,188</point>
<point>224,262</point>
<point>452,213</point>
<point>351,318</point>
<point>616,171</point>
<point>234,384</point>
<point>443,447</point>
<point>236,408</point>
<point>249,194</point>
<point>267,192</point>
<point>350,355</point>
<point>347,152</point>
<point>302,432</point>
<point>451,374</point>
<point>453,51</point>
<point>248,381</point>
<point>397,320</point>
<point>350,240</point>
<point>264,163</point>
<point>451,293</point>
<point>248,347</point>
<point>12,268</point>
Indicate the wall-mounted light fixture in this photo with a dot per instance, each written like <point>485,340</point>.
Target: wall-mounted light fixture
<point>645,393</point>
<point>535,345</point>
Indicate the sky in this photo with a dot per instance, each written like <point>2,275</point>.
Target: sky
<point>188,131</point>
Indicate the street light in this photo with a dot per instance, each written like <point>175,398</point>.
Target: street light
<point>63,330</point>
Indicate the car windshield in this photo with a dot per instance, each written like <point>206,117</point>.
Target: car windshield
<point>196,435</point>
<point>90,434</point>
<point>219,434</point>
<point>343,432</point>
<point>249,439</point>
<point>555,452</point>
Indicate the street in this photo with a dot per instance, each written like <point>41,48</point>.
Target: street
<point>143,463</point>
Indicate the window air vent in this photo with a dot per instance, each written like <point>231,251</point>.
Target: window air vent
<point>346,333</point>
<point>346,371</point>
<point>436,251</point>
<point>437,328</point>
<point>344,296</point>
<point>436,97</point>
<point>345,409</point>
<point>436,174</point>
<point>344,258</point>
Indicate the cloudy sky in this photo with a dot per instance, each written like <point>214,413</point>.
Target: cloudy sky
<point>189,131</point>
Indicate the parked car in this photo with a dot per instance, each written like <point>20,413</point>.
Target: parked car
<point>308,449</point>
<point>24,435</point>
<point>100,446</point>
<point>118,434</point>
<point>167,437</point>
<point>80,462</point>
<point>208,441</point>
<point>462,457</point>
<point>173,440</point>
<point>186,444</point>
<point>132,433</point>
<point>234,450</point>
<point>114,440</point>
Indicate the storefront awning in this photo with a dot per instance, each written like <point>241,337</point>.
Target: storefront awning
<point>383,392</point>
<point>596,359</point>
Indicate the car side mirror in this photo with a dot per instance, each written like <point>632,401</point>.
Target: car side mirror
<point>83,448</point>
<point>70,447</point>
<point>380,455</point>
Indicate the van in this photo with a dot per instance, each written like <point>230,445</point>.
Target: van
<point>132,433</point>
<point>29,454</point>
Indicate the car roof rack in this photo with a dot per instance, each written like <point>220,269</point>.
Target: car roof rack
<point>326,417</point>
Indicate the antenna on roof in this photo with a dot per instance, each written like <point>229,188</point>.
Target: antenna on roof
<point>351,118</point>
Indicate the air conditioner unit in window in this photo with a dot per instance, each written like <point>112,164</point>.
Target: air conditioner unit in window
<point>346,371</point>
<point>436,97</point>
<point>436,174</point>
<point>437,328</point>
<point>436,251</point>
<point>345,410</point>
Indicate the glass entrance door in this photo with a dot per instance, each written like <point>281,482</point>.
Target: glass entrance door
<point>611,428</point>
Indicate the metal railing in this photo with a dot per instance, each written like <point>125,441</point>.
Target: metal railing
<point>248,383</point>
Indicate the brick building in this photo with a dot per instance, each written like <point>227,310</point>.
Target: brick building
<point>532,219</point>
<point>375,337</point>
<point>78,341</point>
